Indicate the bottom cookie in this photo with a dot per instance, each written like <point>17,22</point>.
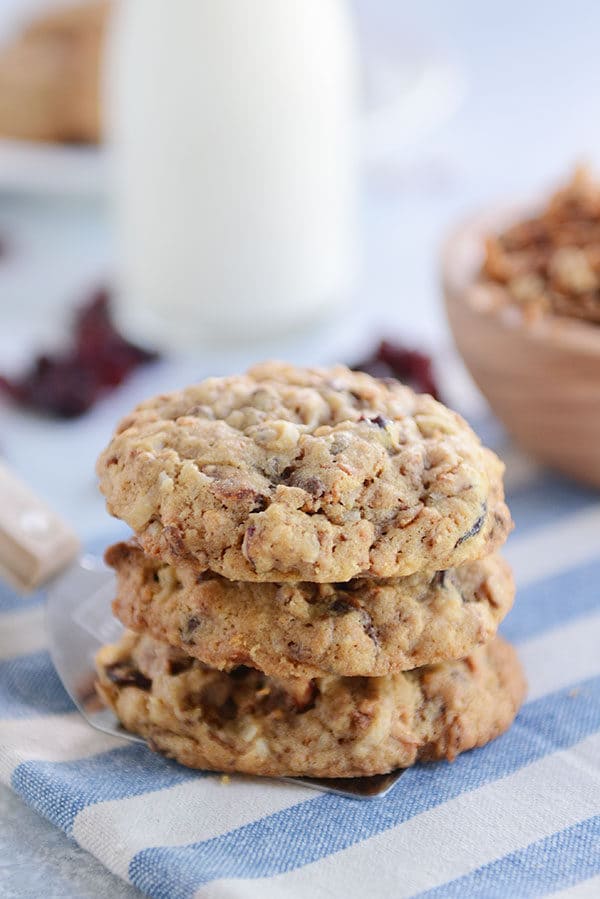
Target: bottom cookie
<point>327,727</point>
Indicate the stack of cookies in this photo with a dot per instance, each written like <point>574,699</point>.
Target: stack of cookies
<point>313,587</point>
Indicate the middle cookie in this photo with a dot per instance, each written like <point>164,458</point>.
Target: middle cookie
<point>361,628</point>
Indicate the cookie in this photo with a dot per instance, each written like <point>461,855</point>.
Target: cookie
<point>31,92</point>
<point>288,474</point>
<point>339,727</point>
<point>365,627</point>
<point>50,76</point>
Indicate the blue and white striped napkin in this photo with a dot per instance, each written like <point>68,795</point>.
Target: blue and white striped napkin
<point>520,817</point>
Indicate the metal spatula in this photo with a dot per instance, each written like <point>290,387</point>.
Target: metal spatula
<point>34,545</point>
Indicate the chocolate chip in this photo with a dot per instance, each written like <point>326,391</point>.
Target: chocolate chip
<point>178,666</point>
<point>125,674</point>
<point>228,710</point>
<point>439,579</point>
<point>192,624</point>
<point>348,586</point>
<point>240,672</point>
<point>297,653</point>
<point>344,604</point>
<point>279,698</point>
<point>368,627</point>
<point>378,420</point>
<point>474,529</point>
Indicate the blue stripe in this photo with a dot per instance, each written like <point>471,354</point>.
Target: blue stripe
<point>556,862</point>
<point>30,686</point>
<point>490,431</point>
<point>554,601</point>
<point>327,824</point>
<point>11,601</point>
<point>548,499</point>
<point>60,790</point>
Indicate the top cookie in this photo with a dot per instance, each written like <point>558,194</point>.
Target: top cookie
<point>304,474</point>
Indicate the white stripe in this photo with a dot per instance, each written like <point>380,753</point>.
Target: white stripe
<point>587,889</point>
<point>485,824</point>
<point>562,545</point>
<point>397,859</point>
<point>22,632</point>
<point>566,655</point>
<point>198,810</point>
<point>52,738</point>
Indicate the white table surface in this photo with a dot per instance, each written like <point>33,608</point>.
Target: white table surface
<point>531,111</point>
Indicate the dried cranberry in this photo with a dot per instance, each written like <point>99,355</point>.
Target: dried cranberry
<point>392,360</point>
<point>68,384</point>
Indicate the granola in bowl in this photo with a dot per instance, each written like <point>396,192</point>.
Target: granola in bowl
<point>549,263</point>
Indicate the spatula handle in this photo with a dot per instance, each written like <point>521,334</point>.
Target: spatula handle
<point>34,542</point>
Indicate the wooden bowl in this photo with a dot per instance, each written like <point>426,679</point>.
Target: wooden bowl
<point>542,380</point>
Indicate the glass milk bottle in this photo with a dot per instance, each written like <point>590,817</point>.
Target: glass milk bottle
<point>233,127</point>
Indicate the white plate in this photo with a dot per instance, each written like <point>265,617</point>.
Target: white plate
<point>26,166</point>
<point>406,98</point>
